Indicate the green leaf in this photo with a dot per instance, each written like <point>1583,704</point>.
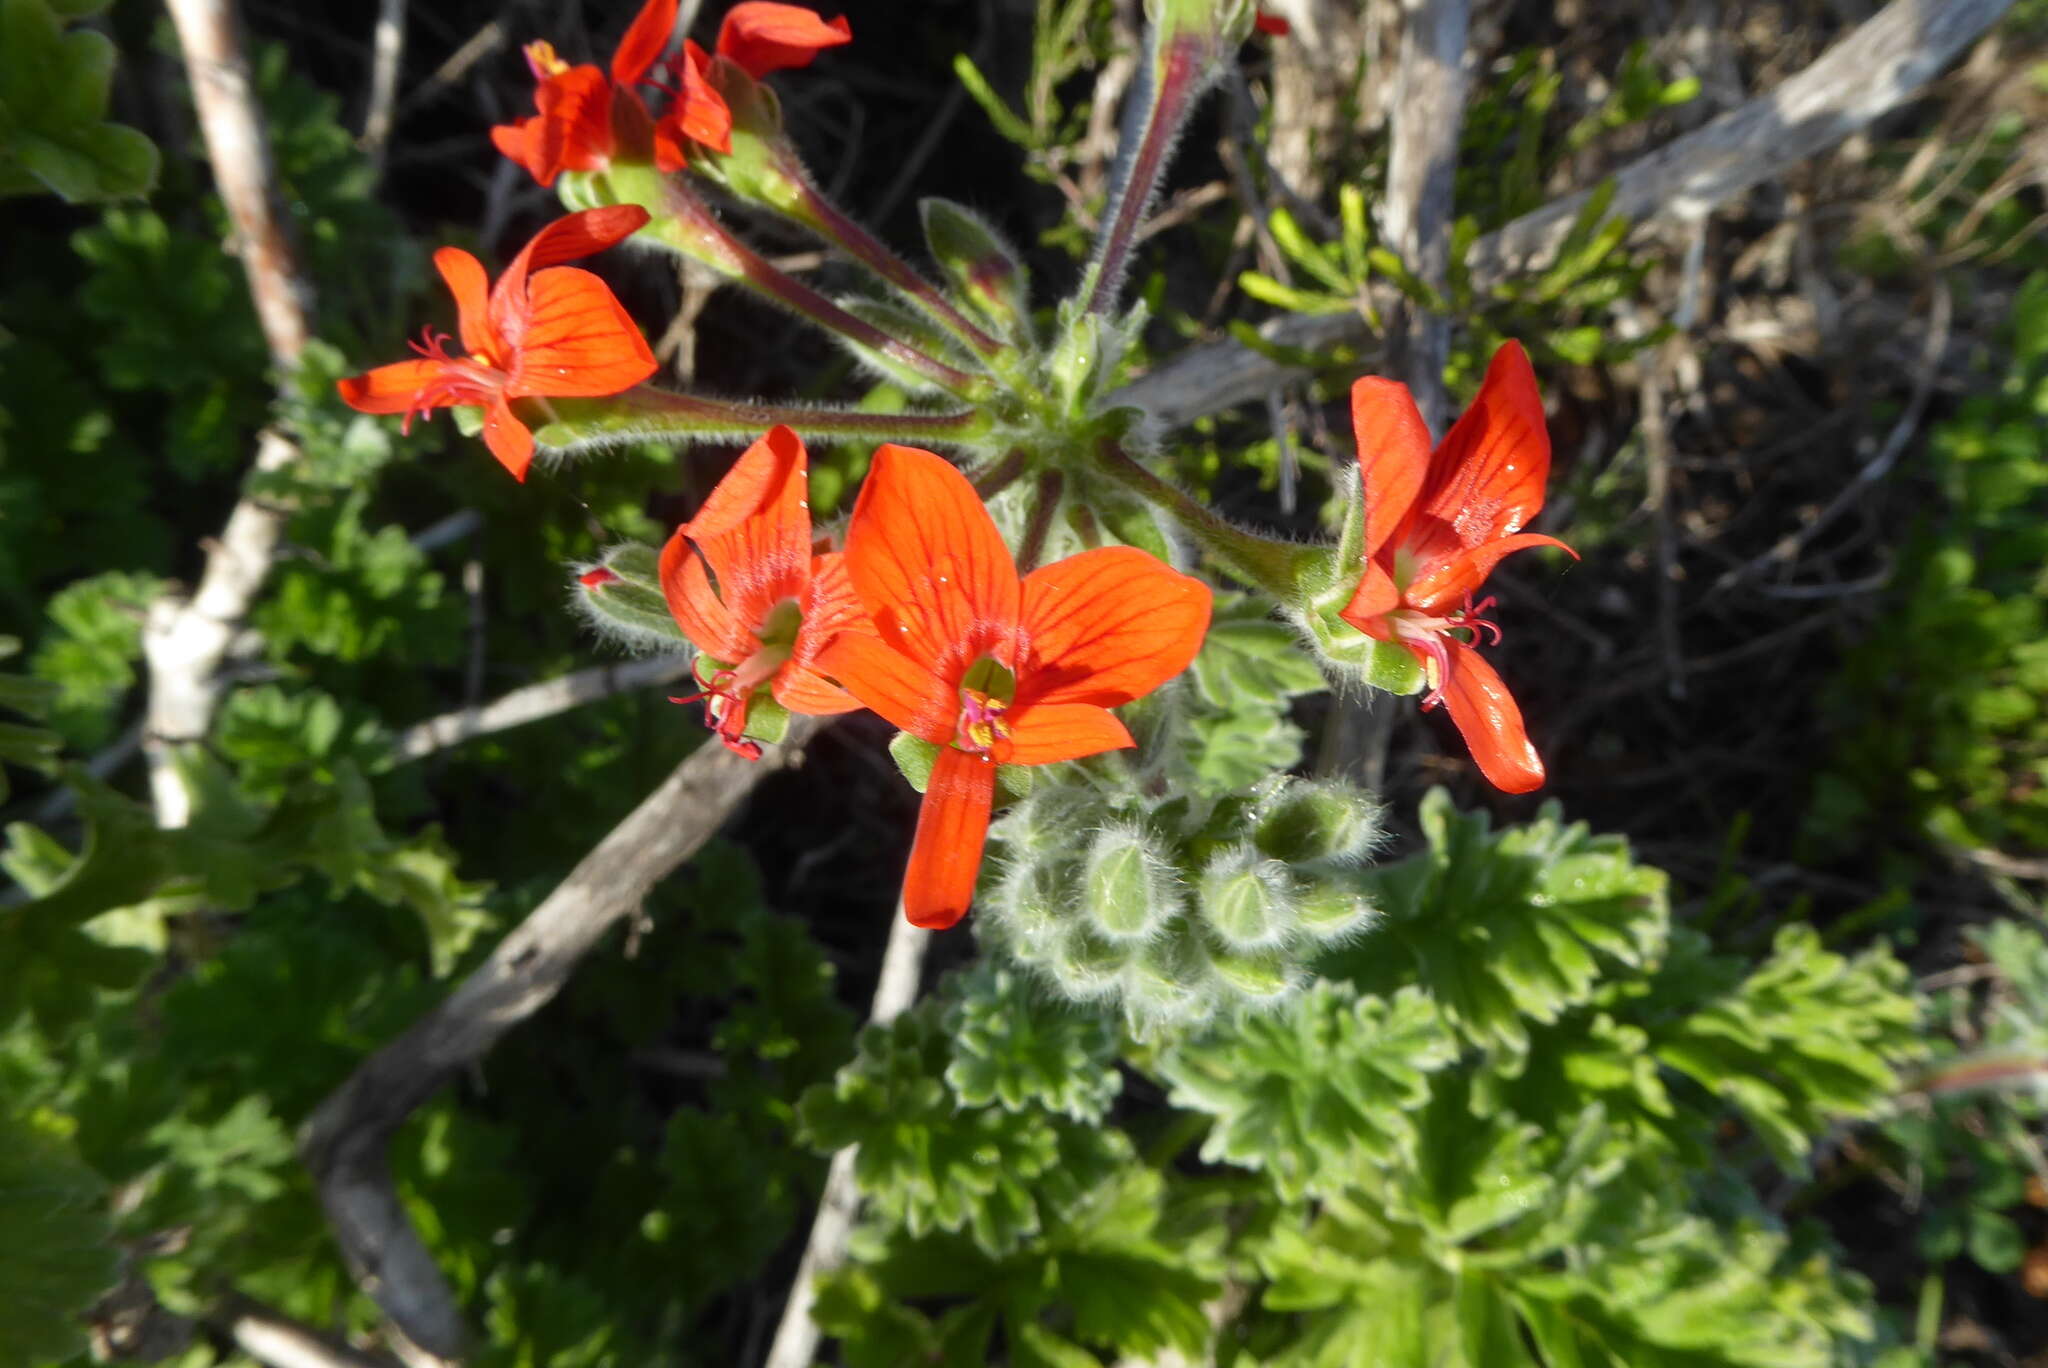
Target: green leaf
<point>1013,1047</point>
<point>1314,1090</point>
<point>1508,927</point>
<point>53,104</point>
<point>1810,1036</point>
<point>58,1256</point>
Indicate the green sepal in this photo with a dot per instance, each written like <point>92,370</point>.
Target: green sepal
<point>1350,655</point>
<point>767,720</point>
<point>915,756</point>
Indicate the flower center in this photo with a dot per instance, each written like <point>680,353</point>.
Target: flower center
<point>542,61</point>
<point>986,692</point>
<point>1424,634</point>
<point>460,380</point>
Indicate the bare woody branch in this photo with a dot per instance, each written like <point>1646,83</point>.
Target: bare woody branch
<point>346,1142</point>
<point>796,1336</point>
<point>184,641</point>
<point>535,702</point>
<point>1872,71</point>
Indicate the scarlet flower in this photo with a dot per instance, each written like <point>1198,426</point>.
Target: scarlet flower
<point>1435,526</point>
<point>993,669</point>
<point>585,119</point>
<point>543,331</point>
<point>776,601</point>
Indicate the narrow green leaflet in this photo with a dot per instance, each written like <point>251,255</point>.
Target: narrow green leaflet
<point>1809,1037</point>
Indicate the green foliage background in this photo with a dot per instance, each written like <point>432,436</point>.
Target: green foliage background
<point>1544,1104</point>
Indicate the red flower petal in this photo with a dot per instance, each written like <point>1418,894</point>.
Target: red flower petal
<point>1272,24</point>
<point>1487,478</point>
<point>508,438</point>
<point>1047,733</point>
<point>764,37</point>
<point>929,565</point>
<point>1393,454</point>
<point>698,115</point>
<point>1445,583</point>
<point>945,857</point>
<point>576,339</point>
<point>831,608</point>
<point>464,276</point>
<point>908,695</point>
<point>1107,626</point>
<point>395,388</point>
<point>575,235</point>
<point>1490,721</point>
<point>643,41</point>
<point>755,529</point>
<point>525,142</point>
<point>697,610</point>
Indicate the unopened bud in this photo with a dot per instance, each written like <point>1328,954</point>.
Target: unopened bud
<point>1256,976</point>
<point>1303,823</point>
<point>1086,964</point>
<point>985,271</point>
<point>1248,901</point>
<point>1330,911</point>
<point>621,597</point>
<point>1129,888</point>
<point>1171,981</point>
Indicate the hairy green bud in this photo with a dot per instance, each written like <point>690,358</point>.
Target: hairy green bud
<point>1129,888</point>
<point>1332,912</point>
<point>983,268</point>
<point>621,598</point>
<point>1086,964</point>
<point>1304,823</point>
<point>1248,901</point>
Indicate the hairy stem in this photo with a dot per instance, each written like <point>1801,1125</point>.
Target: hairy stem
<point>647,412</point>
<point>823,217</point>
<point>1267,564</point>
<point>686,224</point>
<point>1175,77</point>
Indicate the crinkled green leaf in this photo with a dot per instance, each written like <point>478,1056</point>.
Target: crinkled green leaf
<point>1013,1046</point>
<point>1511,926</point>
<point>1810,1036</point>
<point>1312,1091</point>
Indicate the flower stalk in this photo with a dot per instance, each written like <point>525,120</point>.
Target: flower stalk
<point>1272,566</point>
<point>648,413</point>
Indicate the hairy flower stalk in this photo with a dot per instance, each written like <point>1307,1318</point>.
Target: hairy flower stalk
<point>1189,39</point>
<point>646,413</point>
<point>683,223</point>
<point>1264,563</point>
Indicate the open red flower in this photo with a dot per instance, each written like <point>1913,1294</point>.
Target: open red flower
<point>586,119</point>
<point>1435,526</point>
<point>993,669</point>
<point>544,330</point>
<point>776,601</point>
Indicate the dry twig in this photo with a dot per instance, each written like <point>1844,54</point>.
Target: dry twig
<point>1873,70</point>
<point>534,702</point>
<point>796,1336</point>
<point>184,641</point>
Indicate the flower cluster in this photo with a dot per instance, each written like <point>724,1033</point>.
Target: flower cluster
<point>917,609</point>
